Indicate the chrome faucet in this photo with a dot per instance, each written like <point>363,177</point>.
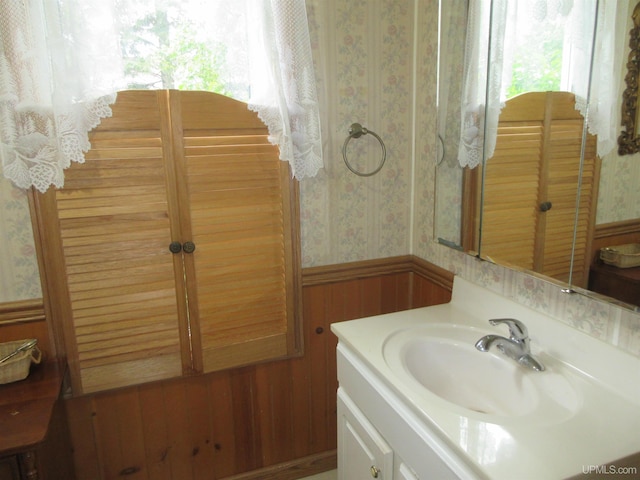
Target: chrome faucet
<point>515,347</point>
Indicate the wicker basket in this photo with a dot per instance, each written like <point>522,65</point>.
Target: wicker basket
<point>622,256</point>
<point>17,367</point>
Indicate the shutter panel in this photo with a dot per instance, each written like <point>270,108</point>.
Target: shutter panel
<point>512,176</point>
<point>235,201</point>
<point>537,159</point>
<point>115,230</point>
<point>565,125</point>
<point>588,208</point>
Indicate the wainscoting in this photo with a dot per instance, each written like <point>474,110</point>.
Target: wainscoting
<point>274,420</point>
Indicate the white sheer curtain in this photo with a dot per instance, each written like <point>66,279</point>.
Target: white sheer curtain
<point>281,61</point>
<point>61,64</point>
<point>493,35</point>
<point>58,75</point>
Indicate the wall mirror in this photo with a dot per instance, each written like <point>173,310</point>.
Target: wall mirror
<point>541,199</point>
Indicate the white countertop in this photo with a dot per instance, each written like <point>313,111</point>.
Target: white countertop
<point>604,427</point>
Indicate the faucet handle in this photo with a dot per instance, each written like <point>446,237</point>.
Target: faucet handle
<point>517,330</point>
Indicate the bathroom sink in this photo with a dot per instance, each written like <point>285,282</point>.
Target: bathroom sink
<point>487,415</point>
<point>441,359</point>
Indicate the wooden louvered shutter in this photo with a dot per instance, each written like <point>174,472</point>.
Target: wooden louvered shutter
<point>510,192</point>
<point>123,324</point>
<point>537,160</point>
<point>562,153</point>
<point>167,168</point>
<point>235,200</point>
<point>587,219</point>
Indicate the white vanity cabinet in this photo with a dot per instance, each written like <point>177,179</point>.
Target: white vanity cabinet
<point>377,436</point>
<point>363,452</point>
<point>405,473</point>
<point>369,456</point>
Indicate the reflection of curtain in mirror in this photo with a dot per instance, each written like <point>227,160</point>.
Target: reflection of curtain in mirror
<point>19,276</point>
<point>480,95</point>
<point>611,47</point>
<point>511,38</point>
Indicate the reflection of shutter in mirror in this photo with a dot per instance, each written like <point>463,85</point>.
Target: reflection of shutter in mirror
<point>535,167</point>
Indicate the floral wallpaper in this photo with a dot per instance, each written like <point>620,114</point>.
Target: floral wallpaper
<point>19,275</point>
<point>619,196</point>
<point>363,53</point>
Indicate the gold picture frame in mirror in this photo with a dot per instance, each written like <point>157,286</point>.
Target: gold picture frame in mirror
<point>629,139</point>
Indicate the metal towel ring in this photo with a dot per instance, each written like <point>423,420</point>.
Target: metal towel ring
<point>356,131</point>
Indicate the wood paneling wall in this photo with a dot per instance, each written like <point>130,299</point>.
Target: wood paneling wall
<point>274,420</point>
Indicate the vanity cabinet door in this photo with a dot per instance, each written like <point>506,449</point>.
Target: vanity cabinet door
<point>362,453</point>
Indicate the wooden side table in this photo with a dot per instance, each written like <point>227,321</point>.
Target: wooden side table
<point>34,439</point>
<point>620,283</point>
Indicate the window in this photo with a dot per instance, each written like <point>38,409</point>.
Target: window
<point>186,45</point>
<point>62,62</point>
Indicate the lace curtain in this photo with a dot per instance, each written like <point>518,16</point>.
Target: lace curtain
<point>610,50</point>
<point>281,62</point>
<point>62,62</point>
<point>54,87</point>
<point>493,34</point>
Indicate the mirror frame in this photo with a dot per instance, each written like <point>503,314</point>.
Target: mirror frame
<point>629,139</point>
